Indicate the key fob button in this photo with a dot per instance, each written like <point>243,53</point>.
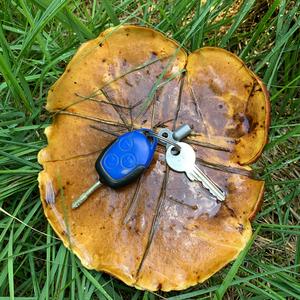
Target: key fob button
<point>111,161</point>
<point>128,161</point>
<point>126,144</point>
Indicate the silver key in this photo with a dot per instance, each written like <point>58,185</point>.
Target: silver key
<point>184,161</point>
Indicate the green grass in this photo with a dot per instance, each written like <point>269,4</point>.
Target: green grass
<point>38,38</point>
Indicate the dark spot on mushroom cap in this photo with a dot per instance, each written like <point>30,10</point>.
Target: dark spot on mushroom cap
<point>242,125</point>
<point>253,126</point>
<point>250,120</point>
<point>262,107</point>
<point>220,106</point>
<point>103,60</point>
<point>75,82</point>
<point>100,44</point>
<point>240,228</point>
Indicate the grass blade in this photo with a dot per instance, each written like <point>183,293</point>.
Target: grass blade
<point>15,87</point>
<point>232,272</point>
<point>238,19</point>
<point>10,265</point>
<point>95,283</point>
<point>110,11</point>
<point>54,7</point>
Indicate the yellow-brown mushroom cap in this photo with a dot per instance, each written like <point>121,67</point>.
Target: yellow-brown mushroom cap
<point>163,231</point>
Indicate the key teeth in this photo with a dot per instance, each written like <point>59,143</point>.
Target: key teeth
<point>216,192</point>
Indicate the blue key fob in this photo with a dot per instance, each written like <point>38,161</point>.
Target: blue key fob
<point>126,158</point>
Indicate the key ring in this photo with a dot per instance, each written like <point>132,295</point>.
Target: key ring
<point>163,139</point>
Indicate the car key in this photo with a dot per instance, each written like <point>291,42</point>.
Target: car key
<point>122,161</point>
<point>184,161</point>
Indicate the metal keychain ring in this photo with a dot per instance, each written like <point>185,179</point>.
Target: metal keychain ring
<point>166,140</point>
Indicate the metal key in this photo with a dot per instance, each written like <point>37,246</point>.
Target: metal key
<point>184,161</point>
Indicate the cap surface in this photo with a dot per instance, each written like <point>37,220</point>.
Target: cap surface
<point>163,232</point>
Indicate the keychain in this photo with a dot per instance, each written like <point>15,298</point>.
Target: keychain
<point>128,156</point>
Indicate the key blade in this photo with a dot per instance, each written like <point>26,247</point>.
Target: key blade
<point>209,184</point>
<point>83,197</point>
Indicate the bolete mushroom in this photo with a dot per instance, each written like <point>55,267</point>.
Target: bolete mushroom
<point>162,232</point>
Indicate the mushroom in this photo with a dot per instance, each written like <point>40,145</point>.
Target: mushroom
<point>162,232</point>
